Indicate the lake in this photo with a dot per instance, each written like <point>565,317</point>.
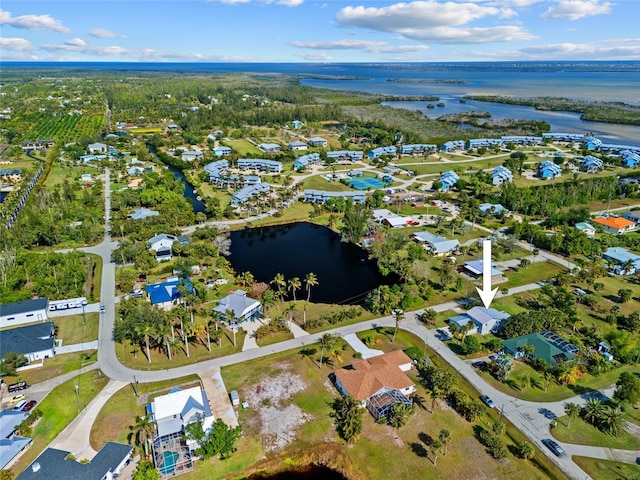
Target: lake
<point>345,274</point>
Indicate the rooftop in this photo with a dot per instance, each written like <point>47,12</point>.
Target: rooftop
<point>24,306</point>
<point>617,223</point>
<point>28,339</point>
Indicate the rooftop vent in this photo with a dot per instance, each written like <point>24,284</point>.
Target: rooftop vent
<point>35,466</point>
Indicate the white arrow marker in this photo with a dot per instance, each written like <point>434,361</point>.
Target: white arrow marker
<point>486,294</point>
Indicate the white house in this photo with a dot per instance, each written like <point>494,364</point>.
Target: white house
<point>27,311</point>
<point>162,244</point>
<point>297,145</point>
<point>190,155</point>
<point>586,228</point>
<point>244,308</point>
<point>439,246</point>
<point>484,320</point>
<point>36,342</point>
<point>97,148</point>
<point>317,142</point>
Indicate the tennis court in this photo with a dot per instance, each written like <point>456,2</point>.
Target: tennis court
<point>364,183</point>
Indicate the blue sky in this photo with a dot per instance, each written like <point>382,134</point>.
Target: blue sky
<point>319,31</point>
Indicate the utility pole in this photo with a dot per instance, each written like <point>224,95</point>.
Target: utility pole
<point>77,389</point>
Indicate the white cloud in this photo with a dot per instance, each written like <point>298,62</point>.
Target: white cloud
<point>290,3</point>
<point>229,2</point>
<point>622,49</point>
<point>15,44</point>
<point>576,9</point>
<point>102,33</point>
<point>433,21</point>
<point>367,45</point>
<point>315,56</point>
<point>75,42</point>
<point>32,22</point>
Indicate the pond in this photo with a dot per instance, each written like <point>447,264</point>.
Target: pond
<point>345,274</point>
<point>311,472</point>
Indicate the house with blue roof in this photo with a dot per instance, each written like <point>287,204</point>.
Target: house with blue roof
<point>322,196</point>
<point>317,142</point>
<point>452,146</point>
<point>216,170</point>
<point>346,155</point>
<point>591,164</point>
<point>297,145</point>
<point>586,228</point>
<point>305,160</point>
<point>418,148</point>
<point>271,166</point>
<point>11,445</point>
<point>270,147</point>
<point>625,262</point>
<point>484,320</point>
<point>492,209</point>
<point>448,180</point>
<point>221,151</point>
<point>522,139</point>
<point>548,170</point>
<point>564,137</point>
<point>500,175</point>
<point>630,159</point>
<point>166,294</point>
<point>143,213</point>
<point>246,193</point>
<point>591,143</point>
<point>438,246</point>
<point>484,142</point>
<point>473,268</point>
<point>378,152</point>
<point>296,124</point>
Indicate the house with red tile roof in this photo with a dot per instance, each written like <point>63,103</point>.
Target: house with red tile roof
<point>615,225</point>
<point>378,382</point>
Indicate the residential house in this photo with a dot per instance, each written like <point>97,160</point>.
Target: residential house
<point>97,148</point>
<point>548,169</point>
<point>378,152</point>
<point>217,135</point>
<point>418,148</point>
<point>26,311</point>
<point>305,160</point>
<point>501,175</point>
<point>166,294</point>
<point>135,183</point>
<point>177,409</point>
<point>546,346</point>
<point>135,171</point>
<point>624,262</point>
<point>162,245</point>
<point>35,342</point>
<point>378,382</point>
<point>243,308</point>
<point>297,145</point>
<point>317,142</point>
<point>630,159</point>
<point>439,246</point>
<point>296,123</point>
<point>380,214</point>
<point>564,137</point>
<point>260,164</point>
<point>346,155</point>
<point>270,147</point>
<point>13,176</point>
<point>591,143</point>
<point>633,215</point>
<point>493,209</point>
<point>216,170</point>
<point>321,196</point>
<point>473,268</point>
<point>448,180</point>
<point>591,164</point>
<point>221,151</point>
<point>522,139</point>
<point>615,225</point>
<point>54,464</point>
<point>191,155</point>
<point>246,193</point>
<point>397,221</point>
<point>11,445</point>
<point>91,158</point>
<point>143,213</point>
<point>484,142</point>
<point>484,320</point>
<point>452,146</point>
<point>586,228</point>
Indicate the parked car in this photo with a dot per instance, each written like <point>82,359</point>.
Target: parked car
<point>16,387</point>
<point>479,364</point>
<point>487,401</point>
<point>20,405</point>
<point>16,398</point>
<point>28,406</point>
<point>552,445</point>
<point>101,308</point>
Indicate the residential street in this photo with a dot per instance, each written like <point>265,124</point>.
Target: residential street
<point>532,418</point>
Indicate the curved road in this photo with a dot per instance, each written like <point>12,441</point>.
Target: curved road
<point>532,418</point>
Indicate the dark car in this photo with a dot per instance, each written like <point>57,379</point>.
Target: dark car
<point>27,408</point>
<point>487,401</point>
<point>479,364</point>
<point>552,445</point>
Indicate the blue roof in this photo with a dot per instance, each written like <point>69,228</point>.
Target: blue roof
<point>142,213</point>
<point>497,208</point>
<point>621,255</point>
<point>166,291</point>
<point>476,267</point>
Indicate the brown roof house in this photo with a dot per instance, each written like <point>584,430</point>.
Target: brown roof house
<point>378,382</point>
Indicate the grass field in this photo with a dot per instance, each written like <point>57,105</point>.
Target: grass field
<point>243,147</point>
<point>59,408</point>
<point>607,469</point>
<point>72,331</point>
<point>530,274</point>
<point>54,367</point>
<point>318,182</point>
<point>583,433</point>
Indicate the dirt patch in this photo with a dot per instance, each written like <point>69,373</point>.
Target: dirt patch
<point>279,418</point>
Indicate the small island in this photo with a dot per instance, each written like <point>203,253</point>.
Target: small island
<point>427,80</point>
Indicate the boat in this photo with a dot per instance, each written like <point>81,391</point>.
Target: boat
<point>199,198</point>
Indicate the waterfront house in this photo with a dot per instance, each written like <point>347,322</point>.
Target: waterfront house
<point>564,137</point>
<point>260,164</point>
<point>378,383</point>
<point>322,196</point>
<point>380,214</point>
<point>166,294</point>
<point>484,320</point>
<point>501,175</point>
<point>452,146</point>
<point>346,155</point>
<point>591,143</point>
<point>624,262</point>
<point>297,145</point>
<point>25,311</point>
<point>548,170</point>
<point>521,139</point>
<point>317,142</point>
<point>630,159</point>
<point>397,221</point>
<point>270,147</point>
<point>246,193</point>
<point>378,152</point>
<point>241,307</point>
<point>484,142</point>
<point>191,155</point>
<point>11,445</point>
<point>438,246</point>
<point>586,228</point>
<point>615,225</point>
<point>216,170</point>
<point>418,148</point>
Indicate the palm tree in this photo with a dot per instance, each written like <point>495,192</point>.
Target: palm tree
<point>398,315</point>
<point>572,410</point>
<point>445,437</point>
<point>289,311</point>
<point>435,447</point>
<point>142,431</point>
<point>326,341</point>
<point>428,317</point>
<point>165,333</point>
<point>145,331</point>
<point>593,410</point>
<point>230,317</point>
<point>294,284</point>
<point>611,420</point>
<point>280,283</point>
<point>311,280</point>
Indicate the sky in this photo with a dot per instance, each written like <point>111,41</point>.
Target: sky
<point>319,31</point>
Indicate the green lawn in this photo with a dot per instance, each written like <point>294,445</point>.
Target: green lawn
<point>318,182</point>
<point>72,331</point>
<point>607,469</point>
<point>53,367</point>
<point>59,408</point>
<point>533,273</point>
<point>243,147</point>
<point>583,433</point>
